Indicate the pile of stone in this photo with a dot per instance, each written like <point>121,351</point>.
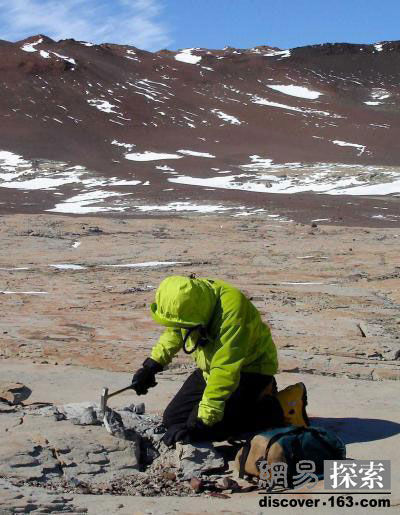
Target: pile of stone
<point>74,449</point>
<point>132,424</point>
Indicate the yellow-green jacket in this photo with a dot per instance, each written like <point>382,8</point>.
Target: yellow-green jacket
<point>237,339</point>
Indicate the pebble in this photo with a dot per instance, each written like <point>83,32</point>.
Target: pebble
<point>196,484</point>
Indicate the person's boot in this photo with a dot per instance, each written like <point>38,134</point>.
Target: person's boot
<point>293,401</point>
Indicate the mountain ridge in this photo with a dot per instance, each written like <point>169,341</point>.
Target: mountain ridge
<point>322,118</point>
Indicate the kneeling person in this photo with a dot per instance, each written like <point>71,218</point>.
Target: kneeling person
<point>233,390</point>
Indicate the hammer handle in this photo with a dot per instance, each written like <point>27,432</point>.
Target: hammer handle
<point>119,391</point>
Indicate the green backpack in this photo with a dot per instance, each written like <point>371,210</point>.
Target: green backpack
<point>289,445</point>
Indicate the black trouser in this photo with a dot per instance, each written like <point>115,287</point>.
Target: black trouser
<point>244,411</point>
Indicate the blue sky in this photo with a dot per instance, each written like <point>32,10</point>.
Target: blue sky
<point>156,24</point>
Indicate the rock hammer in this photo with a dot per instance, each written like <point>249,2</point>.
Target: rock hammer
<point>105,396</point>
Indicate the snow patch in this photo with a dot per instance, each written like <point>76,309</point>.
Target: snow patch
<point>379,94</point>
<point>258,162</point>
<point>255,99</point>
<point>165,168</point>
<point>38,183</point>
<point>296,91</point>
<point>278,53</point>
<point>82,203</point>
<point>194,153</point>
<point>385,188</point>
<point>126,183</point>
<point>150,264</point>
<point>186,56</point>
<point>9,161</point>
<point>65,58</point>
<point>361,148</point>
<point>67,266</point>
<point>30,47</point>
<point>102,105</point>
<point>151,156</point>
<point>226,117</point>
<point>129,146</point>
<point>184,206</point>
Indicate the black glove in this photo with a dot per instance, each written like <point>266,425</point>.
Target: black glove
<point>192,431</point>
<point>176,433</point>
<point>198,430</point>
<point>144,378</point>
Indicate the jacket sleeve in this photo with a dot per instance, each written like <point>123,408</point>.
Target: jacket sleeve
<point>225,369</point>
<point>168,345</point>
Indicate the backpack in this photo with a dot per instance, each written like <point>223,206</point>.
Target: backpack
<point>289,445</point>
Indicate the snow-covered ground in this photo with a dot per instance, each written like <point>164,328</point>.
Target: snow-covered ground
<point>95,194</point>
<point>321,178</point>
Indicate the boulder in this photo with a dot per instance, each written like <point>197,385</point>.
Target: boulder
<point>195,460</point>
<point>14,393</point>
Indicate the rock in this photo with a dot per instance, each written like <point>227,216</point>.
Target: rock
<point>114,424</point>
<point>24,459</point>
<point>76,410</point>
<point>169,475</point>
<point>148,425</point>
<point>140,408</point>
<point>97,456</point>
<point>194,460</point>
<point>380,374</point>
<point>95,230</point>
<point>89,417</point>
<point>375,355</point>
<point>36,502</point>
<point>196,484</point>
<point>6,408</point>
<point>14,393</point>
<point>51,411</point>
<point>246,489</point>
<point>363,329</point>
<point>228,483</point>
<point>219,495</point>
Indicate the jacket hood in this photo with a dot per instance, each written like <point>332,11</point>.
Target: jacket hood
<point>183,302</point>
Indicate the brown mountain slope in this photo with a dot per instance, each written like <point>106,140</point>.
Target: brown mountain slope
<point>296,114</point>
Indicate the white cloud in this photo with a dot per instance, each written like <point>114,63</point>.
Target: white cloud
<point>133,22</point>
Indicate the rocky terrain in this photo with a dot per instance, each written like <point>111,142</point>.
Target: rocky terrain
<point>75,293</point>
<point>275,170</point>
<point>89,283</point>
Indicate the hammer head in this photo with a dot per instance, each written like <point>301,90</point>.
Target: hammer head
<point>103,400</point>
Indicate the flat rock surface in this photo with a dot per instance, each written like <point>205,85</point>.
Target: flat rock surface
<point>314,286</point>
<point>366,417</point>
